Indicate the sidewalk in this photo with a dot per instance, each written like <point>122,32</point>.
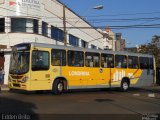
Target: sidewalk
<point>155,88</point>
<point>4,87</point>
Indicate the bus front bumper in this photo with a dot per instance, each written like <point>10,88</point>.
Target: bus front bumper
<point>18,86</point>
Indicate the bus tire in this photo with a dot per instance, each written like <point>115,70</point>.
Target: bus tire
<point>58,87</point>
<point>125,84</point>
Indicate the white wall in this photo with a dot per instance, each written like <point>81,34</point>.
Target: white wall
<point>6,68</point>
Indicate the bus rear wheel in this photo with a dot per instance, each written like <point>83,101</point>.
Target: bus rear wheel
<point>125,85</point>
<point>58,87</point>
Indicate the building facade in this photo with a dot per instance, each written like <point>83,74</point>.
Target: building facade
<point>108,39</point>
<point>111,40</point>
<point>43,21</point>
<point>120,43</point>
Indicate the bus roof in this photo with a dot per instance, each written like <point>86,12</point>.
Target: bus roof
<point>33,44</point>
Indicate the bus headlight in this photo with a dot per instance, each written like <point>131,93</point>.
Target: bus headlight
<point>24,80</point>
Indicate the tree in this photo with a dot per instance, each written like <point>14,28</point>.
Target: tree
<point>155,39</point>
<point>152,48</point>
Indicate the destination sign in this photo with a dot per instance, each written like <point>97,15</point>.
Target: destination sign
<point>22,47</point>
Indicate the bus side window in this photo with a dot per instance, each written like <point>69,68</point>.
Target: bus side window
<point>88,60</point>
<point>56,62</point>
<point>75,58</point>
<point>121,61</point>
<point>151,64</point>
<point>133,62</point>
<point>144,62</point>
<point>107,60</point>
<point>90,64</point>
<point>40,60</point>
<point>92,59</point>
<point>96,57</point>
<point>58,57</point>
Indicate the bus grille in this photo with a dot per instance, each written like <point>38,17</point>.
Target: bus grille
<point>16,85</point>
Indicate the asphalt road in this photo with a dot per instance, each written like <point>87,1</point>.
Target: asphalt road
<point>87,104</point>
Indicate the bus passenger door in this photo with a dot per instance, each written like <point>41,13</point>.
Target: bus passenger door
<point>107,64</point>
<point>40,70</point>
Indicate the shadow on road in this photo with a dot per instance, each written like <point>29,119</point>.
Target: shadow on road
<point>92,91</point>
<point>104,100</point>
<point>17,109</point>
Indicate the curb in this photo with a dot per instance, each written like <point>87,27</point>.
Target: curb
<point>4,89</point>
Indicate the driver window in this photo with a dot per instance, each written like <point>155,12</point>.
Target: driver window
<point>40,60</point>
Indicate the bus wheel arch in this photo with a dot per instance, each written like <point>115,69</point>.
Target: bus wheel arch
<point>59,85</point>
<point>125,84</point>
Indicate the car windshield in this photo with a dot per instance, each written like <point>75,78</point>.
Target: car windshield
<point>19,63</point>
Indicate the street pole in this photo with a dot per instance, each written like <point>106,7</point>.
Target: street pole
<point>64,26</point>
<point>99,7</point>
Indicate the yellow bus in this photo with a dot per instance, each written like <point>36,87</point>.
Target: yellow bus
<point>37,66</point>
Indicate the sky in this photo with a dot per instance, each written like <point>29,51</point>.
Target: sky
<point>122,13</point>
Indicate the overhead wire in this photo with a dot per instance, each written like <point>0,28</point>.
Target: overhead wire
<point>83,17</point>
<point>141,25</point>
<point>102,27</point>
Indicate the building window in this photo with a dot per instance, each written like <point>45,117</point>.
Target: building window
<point>57,34</point>
<point>99,49</point>
<point>75,58</point>
<point>121,61</point>
<point>24,25</point>
<point>92,59</point>
<point>35,26</point>
<point>93,47</point>
<point>58,57</point>
<point>44,28</point>
<point>2,25</point>
<point>84,44</point>
<point>18,25</point>
<point>73,40</point>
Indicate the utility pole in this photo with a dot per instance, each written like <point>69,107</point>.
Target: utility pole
<point>99,7</point>
<point>64,26</point>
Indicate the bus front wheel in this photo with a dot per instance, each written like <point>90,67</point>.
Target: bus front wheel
<point>58,87</point>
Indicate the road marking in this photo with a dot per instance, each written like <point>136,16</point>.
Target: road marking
<point>151,95</point>
<point>136,94</point>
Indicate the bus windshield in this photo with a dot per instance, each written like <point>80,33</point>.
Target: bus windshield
<point>19,63</point>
